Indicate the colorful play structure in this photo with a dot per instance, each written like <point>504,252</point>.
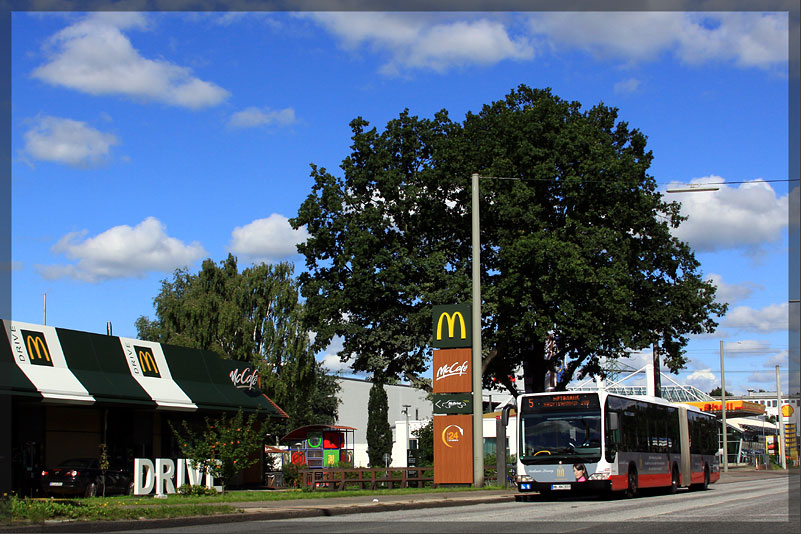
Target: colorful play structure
<point>319,446</point>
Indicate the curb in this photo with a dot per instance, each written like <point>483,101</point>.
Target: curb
<point>254,514</point>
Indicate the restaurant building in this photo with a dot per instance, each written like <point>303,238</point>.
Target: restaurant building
<point>63,393</point>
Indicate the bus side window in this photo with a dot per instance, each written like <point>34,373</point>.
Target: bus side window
<point>612,435</point>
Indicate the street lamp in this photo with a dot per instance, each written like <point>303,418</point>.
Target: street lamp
<point>692,188</point>
<point>405,412</point>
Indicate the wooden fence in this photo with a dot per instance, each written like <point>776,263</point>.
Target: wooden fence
<point>338,479</point>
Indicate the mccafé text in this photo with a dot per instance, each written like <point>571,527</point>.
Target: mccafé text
<point>453,369</point>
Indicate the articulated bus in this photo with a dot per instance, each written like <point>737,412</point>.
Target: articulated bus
<point>603,443</point>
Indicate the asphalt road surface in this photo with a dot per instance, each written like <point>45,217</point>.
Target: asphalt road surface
<point>747,506</point>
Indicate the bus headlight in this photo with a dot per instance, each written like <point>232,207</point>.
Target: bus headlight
<point>524,478</point>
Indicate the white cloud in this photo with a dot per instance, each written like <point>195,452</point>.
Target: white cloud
<point>731,293</point>
<point>121,252</point>
<point>767,380</point>
<point>67,141</point>
<point>631,36</point>
<point>773,318</point>
<point>746,39</point>
<point>426,41</point>
<point>95,56</point>
<point>267,239</point>
<point>252,117</point>
<point>441,41</point>
<point>330,359</point>
<point>781,359</point>
<point>627,86</point>
<point>703,379</point>
<point>747,217</point>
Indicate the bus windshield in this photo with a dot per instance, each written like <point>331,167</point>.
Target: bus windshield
<point>550,435</point>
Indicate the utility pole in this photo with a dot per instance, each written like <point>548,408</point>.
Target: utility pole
<point>782,436</point>
<point>478,420</point>
<point>723,412</point>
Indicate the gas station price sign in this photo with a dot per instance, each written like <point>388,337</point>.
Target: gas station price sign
<point>566,402</point>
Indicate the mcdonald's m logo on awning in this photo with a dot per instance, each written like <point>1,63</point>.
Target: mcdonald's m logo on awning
<point>35,343</point>
<point>452,327</point>
<point>147,362</point>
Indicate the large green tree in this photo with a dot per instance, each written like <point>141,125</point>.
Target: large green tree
<point>252,316</point>
<point>575,241</point>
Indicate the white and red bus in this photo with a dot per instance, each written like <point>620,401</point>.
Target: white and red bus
<point>602,443</point>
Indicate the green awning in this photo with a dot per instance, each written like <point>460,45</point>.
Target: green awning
<point>67,366</point>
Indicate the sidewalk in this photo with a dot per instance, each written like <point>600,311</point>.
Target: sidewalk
<point>748,472</point>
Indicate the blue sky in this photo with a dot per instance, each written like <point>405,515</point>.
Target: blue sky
<point>146,142</point>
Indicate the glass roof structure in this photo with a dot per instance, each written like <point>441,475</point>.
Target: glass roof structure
<point>676,393</point>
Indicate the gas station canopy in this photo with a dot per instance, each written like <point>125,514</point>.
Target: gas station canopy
<point>734,408</point>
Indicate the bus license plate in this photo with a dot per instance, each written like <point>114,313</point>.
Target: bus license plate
<point>560,486</point>
<point>56,483</point>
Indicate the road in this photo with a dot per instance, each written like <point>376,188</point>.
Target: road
<point>748,506</point>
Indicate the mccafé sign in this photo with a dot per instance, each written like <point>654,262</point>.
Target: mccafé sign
<point>165,476</point>
<point>452,371</point>
<point>245,378</point>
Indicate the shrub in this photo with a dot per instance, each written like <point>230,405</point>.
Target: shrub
<point>292,476</point>
<point>196,490</point>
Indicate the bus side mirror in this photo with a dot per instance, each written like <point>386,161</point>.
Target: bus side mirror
<point>613,422</point>
<point>505,415</point>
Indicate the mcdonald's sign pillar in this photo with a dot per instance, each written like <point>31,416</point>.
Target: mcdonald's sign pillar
<point>453,367</point>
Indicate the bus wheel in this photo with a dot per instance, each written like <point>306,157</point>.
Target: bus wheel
<point>633,488</point>
<point>705,484</point>
<point>674,480</point>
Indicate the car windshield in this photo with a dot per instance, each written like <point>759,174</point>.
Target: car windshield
<point>569,436</point>
<point>79,463</point>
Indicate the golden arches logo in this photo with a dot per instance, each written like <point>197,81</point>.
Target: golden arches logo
<point>452,434</point>
<point>451,318</point>
<point>37,348</point>
<point>147,362</point>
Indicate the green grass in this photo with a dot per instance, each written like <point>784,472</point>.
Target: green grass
<point>283,495</point>
<point>16,510</point>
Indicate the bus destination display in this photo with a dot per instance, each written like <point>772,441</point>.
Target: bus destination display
<point>566,402</point>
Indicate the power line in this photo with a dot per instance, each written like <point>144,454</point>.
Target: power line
<point>583,181</point>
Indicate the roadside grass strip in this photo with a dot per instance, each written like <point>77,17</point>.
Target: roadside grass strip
<point>15,510</point>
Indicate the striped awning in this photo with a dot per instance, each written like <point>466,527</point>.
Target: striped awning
<point>64,366</point>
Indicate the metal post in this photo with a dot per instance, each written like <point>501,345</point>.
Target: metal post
<point>405,412</point>
<point>478,425</point>
<point>780,418</point>
<point>725,429</point>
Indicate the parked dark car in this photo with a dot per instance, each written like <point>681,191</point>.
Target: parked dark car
<point>82,476</point>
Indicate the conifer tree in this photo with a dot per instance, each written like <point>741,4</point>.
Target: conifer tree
<point>379,433</point>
